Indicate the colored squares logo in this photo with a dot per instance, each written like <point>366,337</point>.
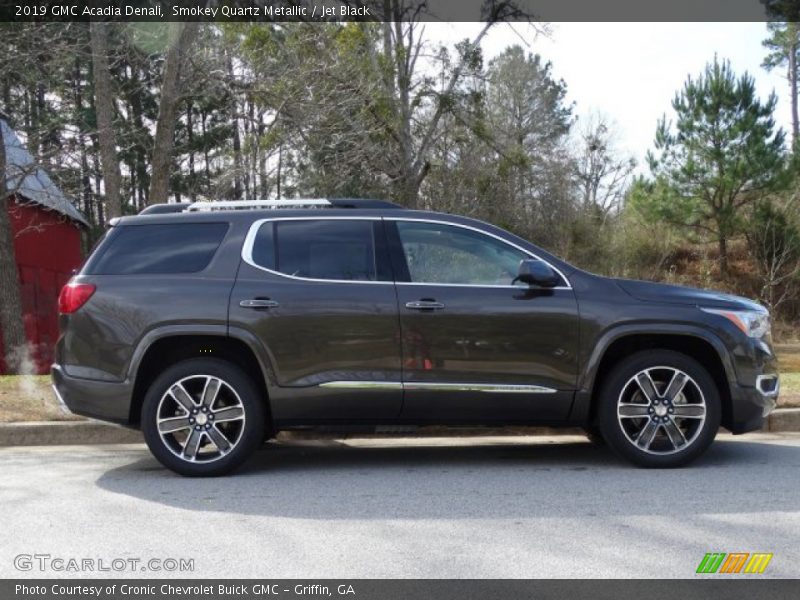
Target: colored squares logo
<point>734,563</point>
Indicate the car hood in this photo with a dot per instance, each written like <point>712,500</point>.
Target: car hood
<point>648,291</point>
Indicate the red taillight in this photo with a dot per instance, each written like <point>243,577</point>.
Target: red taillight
<point>73,296</point>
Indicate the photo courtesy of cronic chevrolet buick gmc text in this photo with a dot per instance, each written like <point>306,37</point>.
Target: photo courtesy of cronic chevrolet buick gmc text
<point>212,326</point>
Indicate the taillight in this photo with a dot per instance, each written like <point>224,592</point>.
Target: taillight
<point>73,296</point>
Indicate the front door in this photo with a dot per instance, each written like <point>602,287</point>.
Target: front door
<point>475,346</point>
<point>318,293</point>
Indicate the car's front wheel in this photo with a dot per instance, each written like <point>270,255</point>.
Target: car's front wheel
<point>203,417</point>
<point>659,408</point>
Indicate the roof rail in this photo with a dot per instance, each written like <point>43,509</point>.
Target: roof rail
<point>289,203</point>
<point>181,207</point>
<point>245,204</point>
<point>162,209</point>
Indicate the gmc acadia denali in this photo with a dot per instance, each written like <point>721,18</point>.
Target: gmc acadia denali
<point>212,326</point>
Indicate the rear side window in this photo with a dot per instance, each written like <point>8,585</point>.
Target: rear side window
<point>154,249</point>
<point>325,249</point>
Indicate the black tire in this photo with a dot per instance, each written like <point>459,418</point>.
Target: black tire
<point>594,435</point>
<point>237,394</point>
<point>629,435</point>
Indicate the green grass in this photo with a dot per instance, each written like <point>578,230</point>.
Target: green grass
<point>790,383</point>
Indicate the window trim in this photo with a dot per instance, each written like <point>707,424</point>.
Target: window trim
<point>250,238</point>
<point>249,241</point>
<point>530,254</point>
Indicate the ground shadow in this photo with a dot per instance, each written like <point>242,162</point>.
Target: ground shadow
<point>473,481</point>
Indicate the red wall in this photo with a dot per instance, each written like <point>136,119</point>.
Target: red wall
<point>48,248</point>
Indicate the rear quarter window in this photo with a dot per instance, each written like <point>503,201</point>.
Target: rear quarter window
<point>158,249</point>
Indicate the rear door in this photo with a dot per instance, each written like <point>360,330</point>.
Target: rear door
<point>477,347</point>
<point>318,292</point>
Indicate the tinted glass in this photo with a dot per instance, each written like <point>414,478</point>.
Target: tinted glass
<point>439,253</point>
<point>324,249</point>
<point>264,246</point>
<point>152,249</point>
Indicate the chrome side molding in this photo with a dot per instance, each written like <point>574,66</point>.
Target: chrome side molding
<point>363,385</point>
<point>494,388</point>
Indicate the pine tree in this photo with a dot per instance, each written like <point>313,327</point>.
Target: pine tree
<point>721,155</point>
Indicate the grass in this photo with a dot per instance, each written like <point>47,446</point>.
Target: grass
<point>30,398</point>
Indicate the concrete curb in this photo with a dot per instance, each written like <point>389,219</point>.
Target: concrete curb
<point>784,419</point>
<point>60,433</point>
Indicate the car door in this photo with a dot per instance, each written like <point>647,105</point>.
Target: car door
<point>319,295</point>
<point>475,345</point>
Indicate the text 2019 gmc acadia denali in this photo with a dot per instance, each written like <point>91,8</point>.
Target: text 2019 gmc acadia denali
<point>212,326</point>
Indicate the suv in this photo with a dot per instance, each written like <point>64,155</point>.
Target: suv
<point>212,326</point>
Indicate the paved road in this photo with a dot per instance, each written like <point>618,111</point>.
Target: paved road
<point>469,507</point>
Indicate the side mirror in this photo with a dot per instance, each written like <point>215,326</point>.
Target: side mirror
<point>537,272</point>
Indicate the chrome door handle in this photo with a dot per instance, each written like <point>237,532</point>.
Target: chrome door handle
<point>259,303</point>
<point>424,305</point>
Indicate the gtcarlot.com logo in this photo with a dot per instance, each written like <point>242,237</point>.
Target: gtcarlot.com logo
<point>73,564</point>
<point>733,563</point>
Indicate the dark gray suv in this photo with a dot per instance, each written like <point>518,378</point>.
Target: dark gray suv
<point>212,326</point>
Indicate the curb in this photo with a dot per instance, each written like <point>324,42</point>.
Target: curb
<point>784,419</point>
<point>62,433</point>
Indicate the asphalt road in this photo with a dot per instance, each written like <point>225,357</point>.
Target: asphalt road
<point>429,508</point>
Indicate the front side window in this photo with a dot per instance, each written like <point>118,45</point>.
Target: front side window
<point>318,249</point>
<point>446,254</point>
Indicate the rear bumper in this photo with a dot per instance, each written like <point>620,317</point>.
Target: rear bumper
<point>103,400</point>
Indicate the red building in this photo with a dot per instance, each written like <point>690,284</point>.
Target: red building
<point>47,244</point>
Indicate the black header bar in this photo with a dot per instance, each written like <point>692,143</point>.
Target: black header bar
<point>374,10</point>
<point>711,588</point>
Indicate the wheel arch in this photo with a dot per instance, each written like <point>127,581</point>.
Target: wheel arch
<point>614,346</point>
<point>161,349</point>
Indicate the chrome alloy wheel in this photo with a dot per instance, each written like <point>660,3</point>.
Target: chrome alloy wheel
<point>661,410</point>
<point>200,418</point>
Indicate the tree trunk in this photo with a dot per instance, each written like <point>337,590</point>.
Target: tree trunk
<point>793,87</point>
<point>262,160</point>
<point>164,142</point>
<point>190,143</point>
<point>140,150</point>
<point>104,107</point>
<point>15,344</point>
<point>723,255</point>
<point>279,174</point>
<point>237,142</point>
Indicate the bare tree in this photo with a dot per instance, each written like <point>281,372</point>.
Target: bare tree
<point>774,244</point>
<point>402,44</point>
<point>167,112</point>
<point>11,322</point>
<point>603,175</point>
<point>104,107</point>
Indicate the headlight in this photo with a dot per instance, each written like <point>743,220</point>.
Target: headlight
<point>752,322</point>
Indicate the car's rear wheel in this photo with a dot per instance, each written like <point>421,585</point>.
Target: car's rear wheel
<point>659,408</point>
<point>203,417</point>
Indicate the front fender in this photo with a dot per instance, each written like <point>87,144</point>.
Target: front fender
<point>590,371</point>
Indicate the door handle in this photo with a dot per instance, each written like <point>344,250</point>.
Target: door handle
<point>259,303</point>
<point>424,305</point>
